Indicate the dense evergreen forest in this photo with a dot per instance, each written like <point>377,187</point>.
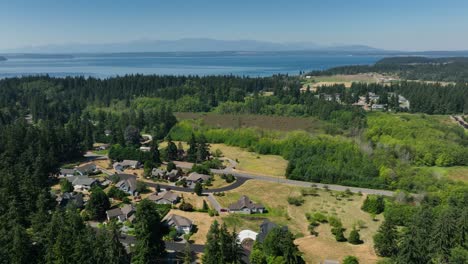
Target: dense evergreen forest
<point>423,97</point>
<point>451,69</point>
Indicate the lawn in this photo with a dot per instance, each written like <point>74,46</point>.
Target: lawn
<point>218,182</point>
<point>274,197</point>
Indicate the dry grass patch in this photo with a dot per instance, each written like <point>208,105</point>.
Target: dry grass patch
<point>274,197</point>
<point>218,182</point>
<point>193,199</point>
<point>252,162</point>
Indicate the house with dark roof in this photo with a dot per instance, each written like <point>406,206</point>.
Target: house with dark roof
<point>127,183</point>
<point>265,228</point>
<point>245,206</point>
<point>182,224</point>
<point>122,214</point>
<point>195,177</point>
<point>67,199</point>
<point>67,172</point>
<point>86,169</point>
<point>167,197</point>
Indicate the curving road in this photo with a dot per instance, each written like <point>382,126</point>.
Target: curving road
<point>242,177</point>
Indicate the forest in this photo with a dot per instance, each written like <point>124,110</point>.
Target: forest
<point>46,122</point>
<point>450,69</point>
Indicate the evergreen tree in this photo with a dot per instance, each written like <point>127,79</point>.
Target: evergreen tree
<point>203,149</point>
<point>150,246</point>
<point>98,204</point>
<point>198,189</point>
<point>213,251</point>
<point>193,149</point>
<point>156,158</point>
<point>445,234</point>
<point>386,239</point>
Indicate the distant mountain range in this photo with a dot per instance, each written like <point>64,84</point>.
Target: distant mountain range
<point>190,45</point>
<point>2,58</point>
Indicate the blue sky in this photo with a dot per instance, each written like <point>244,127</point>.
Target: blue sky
<point>389,24</point>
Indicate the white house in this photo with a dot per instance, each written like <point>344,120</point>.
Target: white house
<point>182,224</point>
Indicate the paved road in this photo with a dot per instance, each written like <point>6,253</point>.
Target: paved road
<point>214,202</point>
<point>242,177</point>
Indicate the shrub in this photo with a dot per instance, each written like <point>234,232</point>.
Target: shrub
<point>350,260</point>
<point>354,237</point>
<point>295,200</point>
<point>338,233</point>
<point>309,192</point>
<point>186,207</point>
<point>373,204</point>
<point>335,222</point>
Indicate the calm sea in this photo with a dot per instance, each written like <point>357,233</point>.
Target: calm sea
<point>103,66</point>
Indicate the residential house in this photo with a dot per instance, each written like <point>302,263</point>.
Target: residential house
<point>82,182</point>
<point>67,172</point>
<point>70,198</point>
<point>172,175</point>
<point>126,164</point>
<point>265,228</point>
<point>245,206</point>
<point>378,107</point>
<point>167,197</point>
<point>182,224</point>
<point>127,183</point>
<point>98,146</point>
<point>195,177</point>
<point>122,214</point>
<point>145,149</point>
<point>86,169</point>
<point>158,173</point>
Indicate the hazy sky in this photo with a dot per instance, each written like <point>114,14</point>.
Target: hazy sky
<point>389,24</point>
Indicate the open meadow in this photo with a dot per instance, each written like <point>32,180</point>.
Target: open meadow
<point>274,196</point>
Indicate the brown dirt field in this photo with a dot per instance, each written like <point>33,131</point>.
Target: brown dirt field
<point>202,220</point>
<point>280,123</point>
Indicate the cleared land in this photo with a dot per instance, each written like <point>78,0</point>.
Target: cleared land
<point>280,123</point>
<point>274,197</point>
<point>251,162</point>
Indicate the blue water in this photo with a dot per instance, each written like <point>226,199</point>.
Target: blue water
<point>248,65</point>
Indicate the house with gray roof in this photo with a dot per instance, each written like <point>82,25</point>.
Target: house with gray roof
<point>67,199</point>
<point>167,197</point>
<point>265,228</point>
<point>182,224</point>
<point>195,177</point>
<point>81,183</point>
<point>126,164</point>
<point>86,169</point>
<point>245,206</point>
<point>127,183</point>
<point>67,172</point>
<point>122,214</point>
